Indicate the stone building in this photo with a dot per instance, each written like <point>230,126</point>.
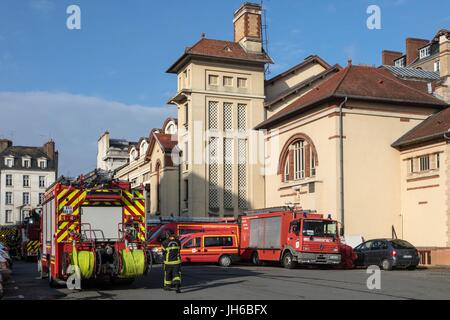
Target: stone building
<point>25,173</point>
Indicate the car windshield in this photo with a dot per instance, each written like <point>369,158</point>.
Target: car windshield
<point>319,228</point>
<point>401,244</point>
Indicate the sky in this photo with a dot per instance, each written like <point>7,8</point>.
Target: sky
<point>72,85</point>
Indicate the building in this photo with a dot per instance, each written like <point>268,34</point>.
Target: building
<point>430,56</point>
<point>151,165</point>
<point>220,99</point>
<point>111,153</point>
<point>25,173</point>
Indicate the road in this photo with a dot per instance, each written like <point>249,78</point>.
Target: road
<point>245,282</point>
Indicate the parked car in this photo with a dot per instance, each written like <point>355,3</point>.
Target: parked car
<point>387,254</point>
<point>219,247</point>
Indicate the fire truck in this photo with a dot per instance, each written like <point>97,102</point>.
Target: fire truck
<point>95,225</point>
<point>289,236</point>
<point>182,226</point>
<point>23,239</point>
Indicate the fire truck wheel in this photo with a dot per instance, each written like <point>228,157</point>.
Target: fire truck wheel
<point>288,261</point>
<point>225,261</point>
<point>255,259</point>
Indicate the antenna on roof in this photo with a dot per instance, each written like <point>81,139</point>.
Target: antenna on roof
<point>265,37</point>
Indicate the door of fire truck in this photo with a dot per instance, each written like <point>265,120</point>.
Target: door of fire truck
<point>294,235</point>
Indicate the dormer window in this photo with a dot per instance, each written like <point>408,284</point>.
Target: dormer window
<point>400,62</point>
<point>133,154</point>
<point>42,163</point>
<point>26,162</point>
<point>9,162</point>
<point>437,66</point>
<point>143,147</point>
<point>425,52</point>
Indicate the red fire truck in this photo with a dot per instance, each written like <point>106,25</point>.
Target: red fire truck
<point>289,236</point>
<point>96,224</point>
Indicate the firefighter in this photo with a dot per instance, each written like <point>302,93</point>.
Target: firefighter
<point>172,262</point>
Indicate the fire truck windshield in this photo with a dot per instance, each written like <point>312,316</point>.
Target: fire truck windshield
<point>319,228</point>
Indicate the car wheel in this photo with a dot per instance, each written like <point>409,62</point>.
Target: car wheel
<point>255,259</point>
<point>225,261</point>
<point>386,265</point>
<point>288,261</point>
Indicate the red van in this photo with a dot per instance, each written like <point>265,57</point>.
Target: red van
<point>220,247</point>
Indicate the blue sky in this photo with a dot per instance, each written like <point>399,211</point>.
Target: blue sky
<point>120,55</point>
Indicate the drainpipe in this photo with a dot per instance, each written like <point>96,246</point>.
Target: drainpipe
<point>179,182</point>
<point>341,164</point>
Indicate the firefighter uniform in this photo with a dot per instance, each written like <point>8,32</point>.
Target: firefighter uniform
<point>172,263</point>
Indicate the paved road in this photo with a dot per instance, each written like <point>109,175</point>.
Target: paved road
<point>247,283</point>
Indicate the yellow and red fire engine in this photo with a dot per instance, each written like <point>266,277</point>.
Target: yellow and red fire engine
<point>96,225</point>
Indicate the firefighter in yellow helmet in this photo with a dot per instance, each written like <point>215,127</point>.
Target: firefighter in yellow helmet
<point>172,262</point>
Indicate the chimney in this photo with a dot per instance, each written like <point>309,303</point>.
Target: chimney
<point>49,149</point>
<point>388,57</point>
<point>5,144</point>
<point>247,27</point>
<point>412,49</point>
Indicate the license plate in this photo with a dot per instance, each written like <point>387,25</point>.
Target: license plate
<point>407,257</point>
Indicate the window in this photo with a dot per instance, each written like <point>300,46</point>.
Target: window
<point>42,164</point>
<point>26,198</point>
<point>41,182</point>
<point>26,163</point>
<point>319,228</point>
<point>26,181</point>
<point>228,81</point>
<point>242,82</point>
<point>213,80</point>
<point>400,62</point>
<point>9,180</point>
<point>9,162</point>
<point>313,164</point>
<point>186,115</point>
<point>425,52</point>
<point>438,161</point>
<point>286,171</point>
<point>424,163</point>
<point>186,193</point>
<point>299,160</point>
<point>8,216</point>
<point>218,241</point>
<point>8,198</point>
<point>437,66</point>
<point>192,243</point>
<point>41,198</point>
<point>411,165</point>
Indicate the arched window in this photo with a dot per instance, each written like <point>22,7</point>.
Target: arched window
<point>298,159</point>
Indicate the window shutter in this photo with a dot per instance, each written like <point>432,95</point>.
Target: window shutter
<point>291,164</point>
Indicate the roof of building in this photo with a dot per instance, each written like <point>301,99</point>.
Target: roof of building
<point>359,83</point>
<point>308,60</point>
<point>413,73</point>
<point>306,83</point>
<point>18,152</point>
<point>429,130</point>
<point>219,49</point>
<point>167,141</point>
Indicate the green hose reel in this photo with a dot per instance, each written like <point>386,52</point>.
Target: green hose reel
<point>133,263</point>
<point>85,260</point>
